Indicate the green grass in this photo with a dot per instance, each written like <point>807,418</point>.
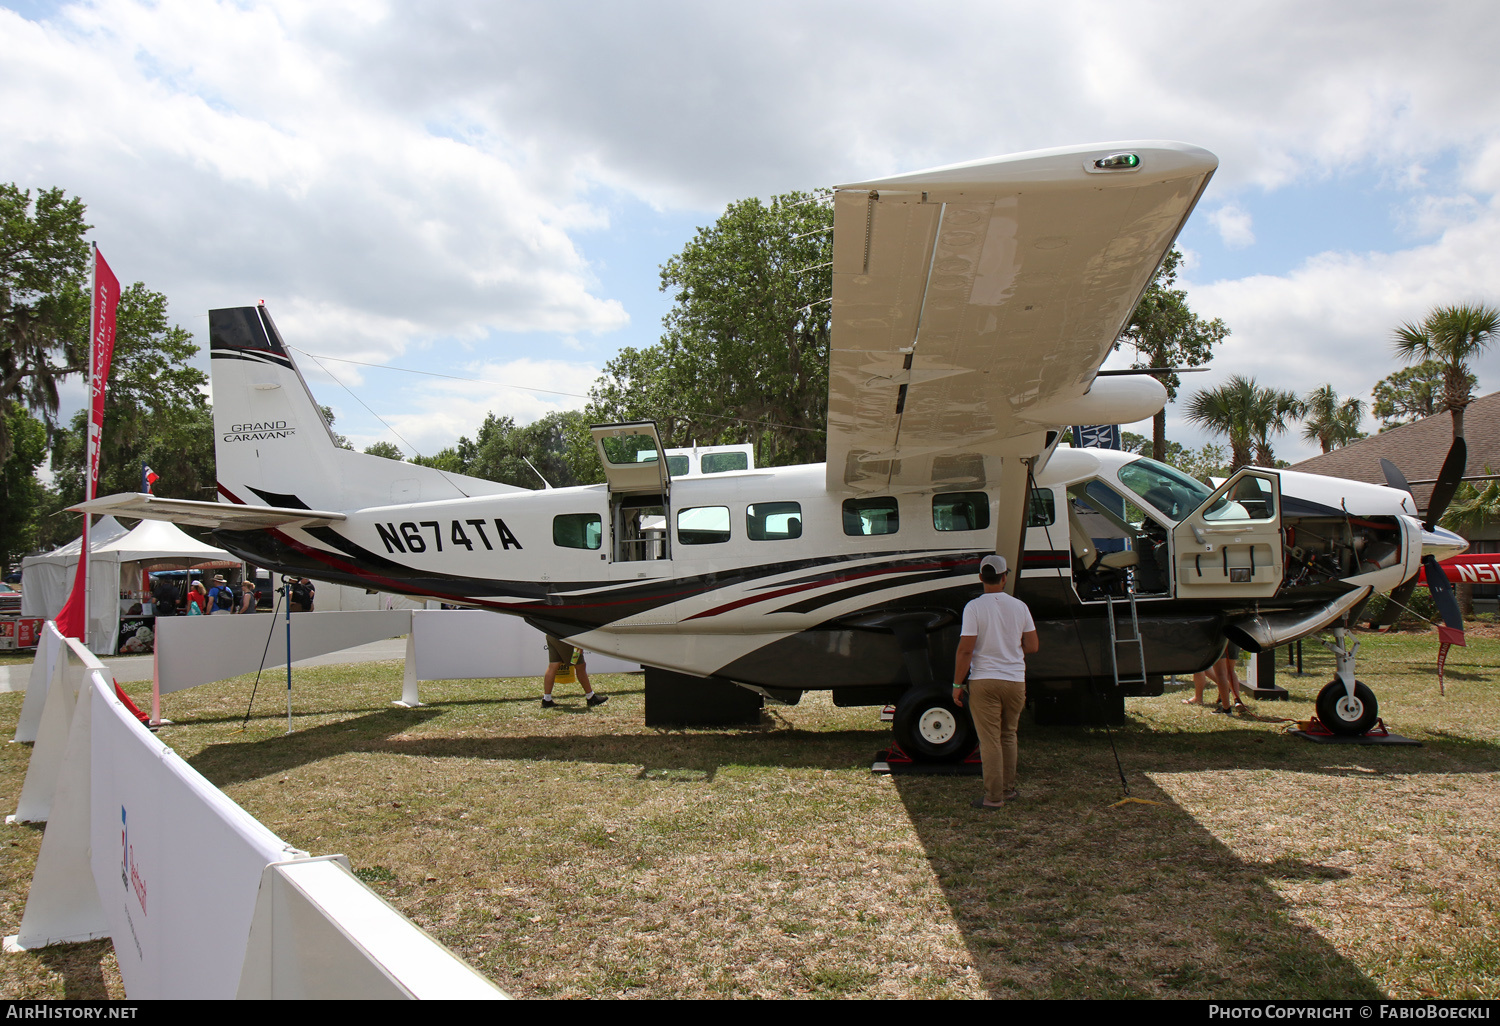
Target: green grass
<point>580,853</point>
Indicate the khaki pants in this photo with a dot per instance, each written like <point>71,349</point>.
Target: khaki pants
<point>996,707</point>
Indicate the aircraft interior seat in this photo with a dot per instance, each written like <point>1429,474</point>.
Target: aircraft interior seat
<point>1089,555</point>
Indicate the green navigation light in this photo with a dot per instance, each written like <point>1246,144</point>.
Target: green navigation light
<point>1118,162</point>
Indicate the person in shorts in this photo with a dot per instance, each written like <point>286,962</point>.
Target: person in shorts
<point>560,654</point>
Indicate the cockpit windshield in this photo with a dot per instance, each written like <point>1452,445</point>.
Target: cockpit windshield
<point>1168,489</point>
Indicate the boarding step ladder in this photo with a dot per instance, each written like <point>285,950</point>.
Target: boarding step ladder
<point>1117,640</point>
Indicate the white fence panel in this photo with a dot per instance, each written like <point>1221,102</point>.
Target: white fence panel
<point>141,848</point>
<point>193,650</point>
<point>321,933</point>
<point>177,864</point>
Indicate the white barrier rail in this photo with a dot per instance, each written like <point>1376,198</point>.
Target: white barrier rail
<point>200,898</point>
<point>464,644</point>
<point>193,650</point>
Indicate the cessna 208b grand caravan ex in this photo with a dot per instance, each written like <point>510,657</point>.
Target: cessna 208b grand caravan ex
<point>972,308</point>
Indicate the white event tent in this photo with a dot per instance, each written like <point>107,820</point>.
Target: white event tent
<point>115,564</point>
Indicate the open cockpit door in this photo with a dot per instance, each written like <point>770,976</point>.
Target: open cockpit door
<point>639,481</point>
<point>1230,546</point>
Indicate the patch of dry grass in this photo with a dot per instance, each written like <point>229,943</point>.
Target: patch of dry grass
<point>580,853</point>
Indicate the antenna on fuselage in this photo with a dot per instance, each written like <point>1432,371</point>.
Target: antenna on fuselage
<point>538,473</point>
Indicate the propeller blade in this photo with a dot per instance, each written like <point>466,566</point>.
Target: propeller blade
<point>1442,592</point>
<point>1394,606</point>
<point>1393,476</point>
<point>1447,482</point>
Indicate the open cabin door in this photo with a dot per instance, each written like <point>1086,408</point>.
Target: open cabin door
<point>1230,547</point>
<point>635,468</point>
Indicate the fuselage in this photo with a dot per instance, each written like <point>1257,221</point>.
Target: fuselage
<point>766,577</point>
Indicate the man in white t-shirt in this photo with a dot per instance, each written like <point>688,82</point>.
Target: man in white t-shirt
<point>997,636</point>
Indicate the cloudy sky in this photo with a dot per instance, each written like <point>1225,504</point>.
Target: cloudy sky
<point>486,190</point>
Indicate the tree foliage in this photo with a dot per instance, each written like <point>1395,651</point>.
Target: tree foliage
<point>1409,395</point>
<point>744,355</point>
<point>22,496</point>
<point>1166,333</point>
<point>1331,420</point>
<point>386,450</point>
<point>155,412</point>
<point>1247,415</point>
<point>44,308</point>
<point>1207,461</point>
<point>500,449</point>
<point>1452,336</point>
<point>1474,506</point>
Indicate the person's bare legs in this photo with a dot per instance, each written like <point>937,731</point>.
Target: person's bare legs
<point>583,677</point>
<point>1200,681</point>
<point>549,679</point>
<point>1234,680</point>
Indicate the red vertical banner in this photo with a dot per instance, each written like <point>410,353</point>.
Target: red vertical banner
<point>72,622</point>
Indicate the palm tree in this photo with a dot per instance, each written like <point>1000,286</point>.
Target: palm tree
<point>1228,411</point>
<point>1247,415</point>
<point>1451,335</point>
<point>1271,412</point>
<point>1331,420</point>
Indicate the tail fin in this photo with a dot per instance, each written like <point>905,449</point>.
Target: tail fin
<point>273,446</point>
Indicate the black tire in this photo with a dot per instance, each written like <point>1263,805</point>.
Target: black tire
<point>930,728</point>
<point>1343,715</point>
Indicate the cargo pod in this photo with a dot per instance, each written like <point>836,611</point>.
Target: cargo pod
<point>1230,546</point>
<point>639,481</point>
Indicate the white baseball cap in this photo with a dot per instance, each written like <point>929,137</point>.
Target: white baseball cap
<point>994,564</point>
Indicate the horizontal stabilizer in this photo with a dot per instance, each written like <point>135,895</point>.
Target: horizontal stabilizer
<point>206,514</point>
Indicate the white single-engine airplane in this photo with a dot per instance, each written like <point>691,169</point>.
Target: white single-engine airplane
<point>972,308</point>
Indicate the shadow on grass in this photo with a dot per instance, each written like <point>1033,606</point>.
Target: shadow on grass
<point>388,732</point>
<point>1060,895</point>
<point>81,969</point>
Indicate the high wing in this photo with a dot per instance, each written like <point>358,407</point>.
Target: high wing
<point>974,304</point>
<point>206,514</point>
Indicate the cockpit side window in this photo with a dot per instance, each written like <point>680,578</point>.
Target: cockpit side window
<point>1166,488</point>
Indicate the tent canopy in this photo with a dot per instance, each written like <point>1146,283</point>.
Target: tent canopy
<point>48,579</point>
<point>153,540</point>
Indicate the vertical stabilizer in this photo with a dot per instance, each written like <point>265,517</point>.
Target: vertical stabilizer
<point>273,446</point>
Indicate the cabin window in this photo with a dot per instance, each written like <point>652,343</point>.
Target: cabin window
<point>578,531</point>
<point>723,462</point>
<point>961,511</point>
<point>677,465</point>
<point>1043,509</point>
<point>703,525</point>
<point>773,521</point>
<point>871,516</point>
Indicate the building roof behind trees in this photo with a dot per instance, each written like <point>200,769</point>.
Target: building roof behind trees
<point>1418,449</point>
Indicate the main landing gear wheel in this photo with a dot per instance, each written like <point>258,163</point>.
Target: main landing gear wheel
<point>930,728</point>
<point>1343,714</point>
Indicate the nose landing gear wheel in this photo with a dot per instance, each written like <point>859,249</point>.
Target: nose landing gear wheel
<point>929,727</point>
<point>1343,714</point>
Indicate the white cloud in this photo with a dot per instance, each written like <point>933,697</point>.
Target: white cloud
<point>439,410</point>
<point>1331,319</point>
<point>1233,223</point>
<point>227,156</point>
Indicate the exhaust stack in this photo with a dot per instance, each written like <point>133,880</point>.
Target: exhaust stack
<point>1260,632</point>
